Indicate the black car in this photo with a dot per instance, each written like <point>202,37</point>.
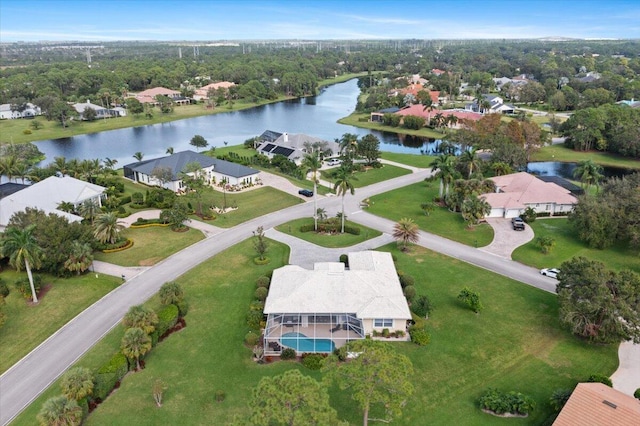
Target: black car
<point>306,193</point>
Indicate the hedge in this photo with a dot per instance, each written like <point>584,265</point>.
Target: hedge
<point>148,225</point>
<point>109,374</point>
<point>123,246</point>
<point>331,228</point>
<point>167,318</point>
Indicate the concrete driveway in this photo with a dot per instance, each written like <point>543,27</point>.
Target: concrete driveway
<point>505,238</point>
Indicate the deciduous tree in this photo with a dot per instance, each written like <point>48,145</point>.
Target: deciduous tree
<point>199,142</point>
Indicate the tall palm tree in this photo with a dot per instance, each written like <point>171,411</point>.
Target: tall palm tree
<point>348,144</point>
<point>21,247</point>
<point>444,164</point>
<point>405,231</point>
<point>138,156</point>
<point>312,162</point>
<point>107,228</point>
<point>589,173</point>
<point>60,165</point>
<point>60,411</point>
<point>22,171</point>
<point>471,161</point>
<point>135,343</point>
<point>344,183</point>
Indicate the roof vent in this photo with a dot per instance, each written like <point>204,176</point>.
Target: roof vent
<point>610,404</point>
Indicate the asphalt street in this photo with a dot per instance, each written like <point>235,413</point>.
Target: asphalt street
<point>29,377</point>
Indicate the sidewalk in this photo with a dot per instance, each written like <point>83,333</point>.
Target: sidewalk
<point>118,271</point>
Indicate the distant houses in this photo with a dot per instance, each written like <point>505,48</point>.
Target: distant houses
<point>214,170</point>
<point>203,92</point>
<point>30,111</point>
<point>149,96</point>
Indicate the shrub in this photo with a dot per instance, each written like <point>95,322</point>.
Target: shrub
<point>171,293</point>
<point>27,131</point>
<point>4,289</point>
<point>410,292</point>
<point>251,338</point>
<point>599,378</point>
<point>220,395</point>
<point>312,361</point>
<point>419,335</point>
<point>385,333</point>
<point>263,281</point>
<point>137,198</point>
<point>511,402</point>
<point>344,259</point>
<point>471,299</point>
<point>167,318</point>
<point>109,374</point>
<point>406,280</point>
<point>422,306</point>
<point>529,215</point>
<point>23,286</point>
<point>559,398</point>
<point>124,200</point>
<point>183,308</point>
<point>636,394</point>
<point>261,294</point>
<point>255,316</point>
<point>288,353</point>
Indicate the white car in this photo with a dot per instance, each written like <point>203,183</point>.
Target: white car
<point>550,272</point>
<point>334,162</point>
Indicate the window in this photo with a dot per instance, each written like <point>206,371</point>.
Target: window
<point>383,322</point>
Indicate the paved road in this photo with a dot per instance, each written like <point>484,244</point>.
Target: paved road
<point>24,381</point>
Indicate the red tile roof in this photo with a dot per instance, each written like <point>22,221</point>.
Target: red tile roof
<point>518,190</point>
<point>595,404</point>
<point>418,110</point>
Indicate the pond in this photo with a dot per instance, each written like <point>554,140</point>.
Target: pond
<point>565,170</point>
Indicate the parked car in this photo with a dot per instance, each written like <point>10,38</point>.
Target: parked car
<point>306,193</point>
<point>517,223</point>
<point>334,162</point>
<point>550,272</point>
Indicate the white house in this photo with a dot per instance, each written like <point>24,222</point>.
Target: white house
<point>29,112</point>
<point>495,105</point>
<point>48,194</point>
<point>517,191</point>
<point>214,170</point>
<point>322,309</point>
<point>296,146</point>
<point>101,112</point>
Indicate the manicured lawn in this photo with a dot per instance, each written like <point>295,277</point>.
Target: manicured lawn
<point>28,326</point>
<point>250,204</point>
<point>362,120</point>
<point>328,240</point>
<point>514,344</point>
<point>151,245</point>
<point>422,161</point>
<point>561,153</point>
<point>371,176</point>
<point>405,202</point>
<point>568,245</point>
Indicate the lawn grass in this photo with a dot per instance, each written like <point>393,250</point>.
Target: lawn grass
<point>514,344</point>
<point>28,326</point>
<point>568,246</point>
<point>362,120</point>
<point>561,153</point>
<point>370,176</point>
<point>405,203</point>
<point>250,204</point>
<point>422,161</point>
<point>328,240</point>
<point>151,245</point>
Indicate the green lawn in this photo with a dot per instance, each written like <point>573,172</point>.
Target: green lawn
<point>362,120</point>
<point>561,153</point>
<point>328,240</point>
<point>371,176</point>
<point>422,161</point>
<point>151,245</point>
<point>28,326</point>
<point>568,245</point>
<point>405,202</point>
<point>250,204</point>
<point>514,344</point>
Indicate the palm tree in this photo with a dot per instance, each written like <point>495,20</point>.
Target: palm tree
<point>135,343</point>
<point>21,247</point>
<point>60,411</point>
<point>107,228</point>
<point>312,162</point>
<point>109,163</point>
<point>405,231</point>
<point>67,207</point>
<point>89,209</point>
<point>169,150</point>
<point>444,164</point>
<point>8,166</point>
<point>321,213</point>
<point>471,161</point>
<point>77,383</point>
<point>80,258</point>
<point>348,144</point>
<point>21,170</point>
<point>500,168</point>
<point>474,208</point>
<point>60,165</point>
<point>138,156</point>
<point>589,173</point>
<point>140,317</point>
<point>344,183</point>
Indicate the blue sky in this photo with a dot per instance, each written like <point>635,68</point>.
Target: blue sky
<point>109,20</point>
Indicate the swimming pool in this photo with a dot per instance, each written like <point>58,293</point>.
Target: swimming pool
<point>302,343</point>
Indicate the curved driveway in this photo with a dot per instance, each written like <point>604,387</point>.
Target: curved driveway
<point>25,380</point>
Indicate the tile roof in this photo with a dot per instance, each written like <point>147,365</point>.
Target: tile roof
<point>370,288</point>
<point>418,110</point>
<point>517,190</point>
<point>596,404</point>
<point>155,91</point>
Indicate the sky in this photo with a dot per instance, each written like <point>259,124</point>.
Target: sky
<point>210,20</point>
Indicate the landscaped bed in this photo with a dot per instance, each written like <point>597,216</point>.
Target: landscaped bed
<point>514,344</point>
<point>330,240</point>
<point>405,203</point>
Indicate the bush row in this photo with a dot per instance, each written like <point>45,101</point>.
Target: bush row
<point>112,248</point>
<point>330,228</point>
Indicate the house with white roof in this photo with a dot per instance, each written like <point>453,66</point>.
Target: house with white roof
<point>324,308</point>
<point>296,146</point>
<point>517,191</point>
<point>31,110</point>
<point>213,169</point>
<point>47,195</point>
<point>101,112</point>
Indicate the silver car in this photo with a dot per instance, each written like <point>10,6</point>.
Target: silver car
<point>550,272</point>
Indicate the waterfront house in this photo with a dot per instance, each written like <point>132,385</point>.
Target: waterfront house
<point>296,146</point>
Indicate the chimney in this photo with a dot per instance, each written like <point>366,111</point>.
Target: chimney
<point>285,137</point>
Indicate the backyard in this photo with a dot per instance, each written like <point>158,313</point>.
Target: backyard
<point>369,176</point>
<point>514,344</point>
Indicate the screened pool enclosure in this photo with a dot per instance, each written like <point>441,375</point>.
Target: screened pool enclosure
<point>310,332</point>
